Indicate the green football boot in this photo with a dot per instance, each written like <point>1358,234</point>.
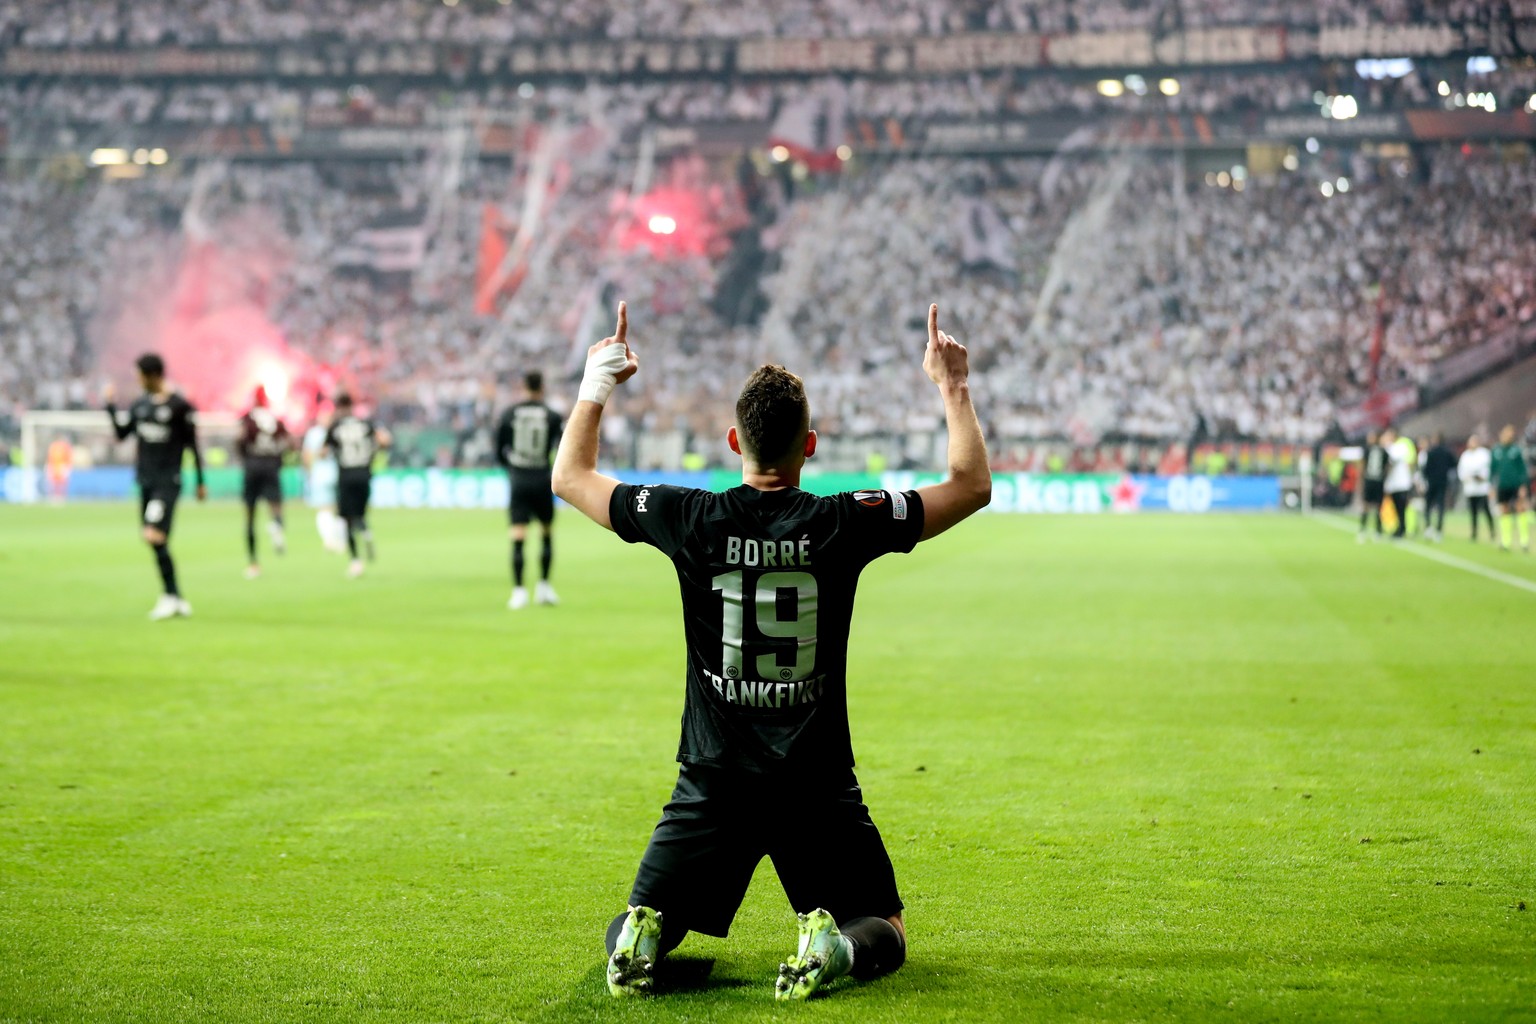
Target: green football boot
<point>824,955</point>
<point>634,955</point>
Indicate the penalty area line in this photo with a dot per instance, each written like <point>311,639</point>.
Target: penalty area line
<point>1339,523</point>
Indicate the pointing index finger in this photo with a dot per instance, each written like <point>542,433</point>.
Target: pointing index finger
<point>933,323</point>
<point>623,328</point>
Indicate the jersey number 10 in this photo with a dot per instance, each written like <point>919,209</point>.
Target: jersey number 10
<point>775,593</point>
<point>530,437</point>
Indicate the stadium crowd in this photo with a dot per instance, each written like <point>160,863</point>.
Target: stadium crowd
<point>150,22</point>
<point>976,95</point>
<point>1255,309</point>
<point>1259,305</point>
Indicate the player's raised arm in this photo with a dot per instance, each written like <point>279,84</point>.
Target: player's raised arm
<point>968,487</point>
<point>575,478</point>
<point>122,426</point>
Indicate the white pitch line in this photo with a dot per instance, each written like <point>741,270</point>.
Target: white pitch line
<point>1329,519</point>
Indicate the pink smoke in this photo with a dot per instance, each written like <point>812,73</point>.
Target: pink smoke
<point>202,303</point>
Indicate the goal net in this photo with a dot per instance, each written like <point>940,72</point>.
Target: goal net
<point>98,466</point>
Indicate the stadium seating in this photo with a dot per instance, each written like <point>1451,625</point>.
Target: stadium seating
<point>1108,292</point>
<point>116,22</point>
<point>1263,321</point>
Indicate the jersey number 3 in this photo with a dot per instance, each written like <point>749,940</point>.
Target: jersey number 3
<point>784,605</point>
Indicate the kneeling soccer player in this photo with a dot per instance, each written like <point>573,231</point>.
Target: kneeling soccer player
<point>768,573</point>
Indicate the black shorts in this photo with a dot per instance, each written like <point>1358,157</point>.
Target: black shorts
<point>262,485</point>
<point>1507,495</point>
<point>1374,490</point>
<point>532,501</point>
<point>157,505</point>
<point>352,497</point>
<point>720,823</point>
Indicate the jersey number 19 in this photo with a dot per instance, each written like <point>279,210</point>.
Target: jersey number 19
<point>784,606</point>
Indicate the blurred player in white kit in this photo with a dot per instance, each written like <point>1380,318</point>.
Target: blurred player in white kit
<point>320,485</point>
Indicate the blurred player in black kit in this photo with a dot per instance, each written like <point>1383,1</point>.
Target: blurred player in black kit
<point>1439,464</point>
<point>165,424</point>
<point>526,436</point>
<point>355,440</point>
<point>264,440</point>
<point>1373,479</point>
<point>768,573</point>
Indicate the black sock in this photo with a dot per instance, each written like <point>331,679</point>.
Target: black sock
<point>167,568</point>
<point>878,947</point>
<point>1363,517</point>
<point>671,936</point>
<point>352,537</point>
<point>546,556</point>
<point>517,563</point>
<point>250,538</point>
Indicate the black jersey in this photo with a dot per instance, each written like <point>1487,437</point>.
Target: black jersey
<point>768,580</point>
<point>1376,462</point>
<point>526,436</point>
<point>166,428</point>
<point>264,439</point>
<point>1439,464</point>
<point>355,441</point>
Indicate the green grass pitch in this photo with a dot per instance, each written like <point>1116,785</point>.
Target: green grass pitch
<point>1128,768</point>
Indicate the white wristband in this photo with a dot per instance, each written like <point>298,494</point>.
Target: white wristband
<point>603,367</point>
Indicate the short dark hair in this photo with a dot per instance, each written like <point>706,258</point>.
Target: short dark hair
<point>150,365</point>
<point>534,381</point>
<point>343,400</point>
<point>772,414</point>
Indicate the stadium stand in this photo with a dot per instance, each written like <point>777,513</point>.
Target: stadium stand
<point>147,22</point>
<point>1262,329</point>
<point>1135,257</point>
<point>981,95</point>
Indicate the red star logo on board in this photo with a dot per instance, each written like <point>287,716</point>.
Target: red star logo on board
<point>1125,496</point>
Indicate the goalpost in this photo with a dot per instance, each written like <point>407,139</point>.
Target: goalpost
<point>95,444</point>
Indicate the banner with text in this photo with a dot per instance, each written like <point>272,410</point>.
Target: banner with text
<point>40,136</point>
<point>956,53</point>
<point>1091,494</point>
<point>488,488</point>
